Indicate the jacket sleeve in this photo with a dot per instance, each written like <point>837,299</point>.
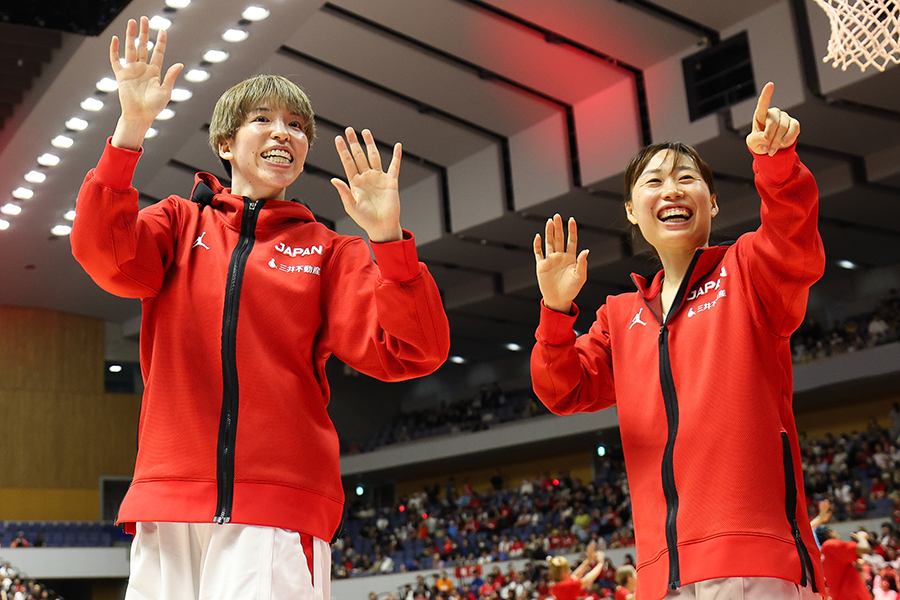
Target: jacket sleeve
<point>569,374</point>
<point>385,320</point>
<point>785,256</point>
<point>124,250</point>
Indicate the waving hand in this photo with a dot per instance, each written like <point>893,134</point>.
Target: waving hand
<point>370,195</point>
<point>563,271</point>
<point>141,93</point>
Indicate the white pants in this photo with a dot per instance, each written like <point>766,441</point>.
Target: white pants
<point>206,561</point>
<point>743,588</point>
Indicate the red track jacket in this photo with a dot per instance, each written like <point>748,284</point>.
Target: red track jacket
<point>704,400</point>
<point>243,303</point>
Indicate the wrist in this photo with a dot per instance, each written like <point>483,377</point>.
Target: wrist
<point>388,235</point>
<point>130,133</point>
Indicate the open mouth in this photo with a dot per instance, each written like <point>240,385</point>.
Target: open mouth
<point>278,156</point>
<point>675,214</point>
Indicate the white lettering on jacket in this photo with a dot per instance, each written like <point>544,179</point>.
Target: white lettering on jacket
<point>281,247</point>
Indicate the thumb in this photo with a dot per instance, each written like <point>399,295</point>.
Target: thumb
<point>756,141</point>
<point>346,195</point>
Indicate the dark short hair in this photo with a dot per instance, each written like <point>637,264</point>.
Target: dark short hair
<point>638,163</point>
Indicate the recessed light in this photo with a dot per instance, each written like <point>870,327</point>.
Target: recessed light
<point>35,177</point>
<point>92,104</point>
<point>62,141</point>
<point>23,193</point>
<point>115,368</point>
<point>847,264</point>
<point>70,215</point>
<point>151,133</point>
<point>255,13</point>
<point>178,3</point>
<point>196,75</point>
<point>235,35</point>
<point>10,209</point>
<point>107,84</point>
<point>181,94</point>
<point>137,44</point>
<point>513,346</point>
<point>48,160</point>
<point>4,224</point>
<point>458,360</point>
<point>165,114</point>
<point>76,124</point>
<point>158,22</point>
<point>215,56</point>
<point>61,230</point>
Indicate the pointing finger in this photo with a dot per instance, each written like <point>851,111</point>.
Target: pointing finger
<point>762,106</point>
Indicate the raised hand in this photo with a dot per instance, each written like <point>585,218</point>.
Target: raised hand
<point>561,273</point>
<point>772,129</point>
<point>370,196</point>
<point>141,93</point>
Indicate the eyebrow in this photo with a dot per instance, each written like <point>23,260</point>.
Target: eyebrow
<point>676,168</point>
<point>268,110</point>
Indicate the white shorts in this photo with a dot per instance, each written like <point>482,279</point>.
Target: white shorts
<point>206,561</point>
<point>743,588</point>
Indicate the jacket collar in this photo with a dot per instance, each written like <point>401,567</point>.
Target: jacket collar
<point>705,260</point>
<point>208,191</point>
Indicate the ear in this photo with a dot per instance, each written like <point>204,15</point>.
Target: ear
<point>629,212</point>
<point>225,151</point>
<point>714,208</point>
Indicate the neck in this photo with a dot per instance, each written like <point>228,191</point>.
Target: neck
<point>675,266</point>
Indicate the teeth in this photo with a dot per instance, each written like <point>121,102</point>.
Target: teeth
<point>278,156</point>
<point>675,212</point>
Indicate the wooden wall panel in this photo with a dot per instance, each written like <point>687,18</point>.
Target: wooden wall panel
<point>61,431</point>
<point>846,418</point>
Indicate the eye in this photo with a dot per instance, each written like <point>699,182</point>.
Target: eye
<point>688,178</point>
<point>260,119</point>
<point>296,124</point>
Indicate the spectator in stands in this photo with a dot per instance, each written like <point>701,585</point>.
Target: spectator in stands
<point>568,584</point>
<point>626,582</point>
<point>840,562</point>
<point>20,541</point>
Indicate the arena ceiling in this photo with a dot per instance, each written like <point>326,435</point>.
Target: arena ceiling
<point>509,111</point>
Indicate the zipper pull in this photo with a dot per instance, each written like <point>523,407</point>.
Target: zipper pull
<point>253,204</point>
<point>220,518</point>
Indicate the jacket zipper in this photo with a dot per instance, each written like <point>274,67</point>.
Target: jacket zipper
<point>230,395</point>
<point>670,400</point>
<point>790,505</point>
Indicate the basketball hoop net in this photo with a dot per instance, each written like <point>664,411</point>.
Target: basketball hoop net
<point>864,32</point>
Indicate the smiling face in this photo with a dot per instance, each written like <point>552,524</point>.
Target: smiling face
<point>266,153</point>
<point>671,202</point>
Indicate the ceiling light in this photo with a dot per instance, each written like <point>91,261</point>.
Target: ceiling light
<point>196,75</point>
<point>48,160</point>
<point>458,360</point>
<point>23,193</point>
<point>178,3</point>
<point>10,209</point>
<point>76,124</point>
<point>62,141</point>
<point>513,346</point>
<point>4,224</point>
<point>151,133</point>
<point>181,94</point>
<point>61,230</point>
<point>215,56</point>
<point>158,22</point>
<point>235,35</point>
<point>255,13</point>
<point>107,84</point>
<point>70,215</point>
<point>137,44</point>
<point>35,177</point>
<point>92,104</point>
<point>115,368</point>
<point>165,114</point>
<point>847,264</point>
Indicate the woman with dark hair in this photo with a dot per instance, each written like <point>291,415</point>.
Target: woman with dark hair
<point>698,365</point>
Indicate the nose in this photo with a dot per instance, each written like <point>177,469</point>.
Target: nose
<point>280,131</point>
<point>672,190</point>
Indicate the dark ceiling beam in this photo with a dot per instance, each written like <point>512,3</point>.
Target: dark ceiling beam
<point>482,72</point>
<point>553,37</point>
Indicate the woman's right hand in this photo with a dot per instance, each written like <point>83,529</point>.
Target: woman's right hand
<point>141,94</point>
<point>561,273</point>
